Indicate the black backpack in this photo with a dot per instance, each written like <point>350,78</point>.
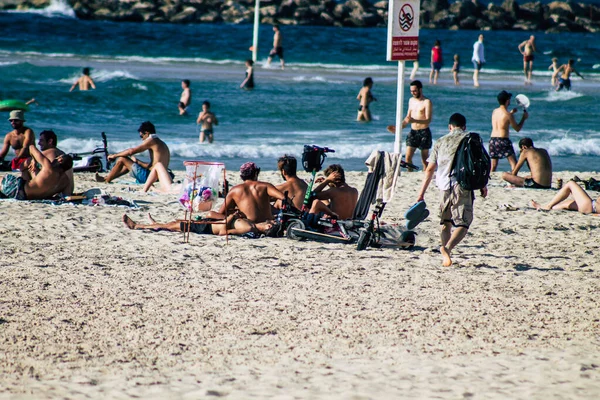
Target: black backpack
<point>471,164</point>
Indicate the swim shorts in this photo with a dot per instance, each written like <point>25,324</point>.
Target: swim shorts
<point>437,66</point>
<point>564,83</point>
<point>456,206</point>
<point>196,227</point>
<point>528,58</point>
<point>531,184</point>
<point>420,138</point>
<point>139,173</point>
<point>207,132</point>
<point>277,51</point>
<point>501,148</point>
<point>17,162</point>
<point>477,65</point>
<point>13,187</point>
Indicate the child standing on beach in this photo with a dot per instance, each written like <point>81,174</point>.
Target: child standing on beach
<point>456,69</point>
<point>554,68</point>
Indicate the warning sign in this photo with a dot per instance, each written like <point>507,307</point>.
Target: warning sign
<point>403,30</point>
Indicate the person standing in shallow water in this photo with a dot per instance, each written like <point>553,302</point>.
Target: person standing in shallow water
<point>248,83</point>
<point>84,82</point>
<point>365,97</point>
<point>527,48</point>
<point>436,62</point>
<point>478,59</point>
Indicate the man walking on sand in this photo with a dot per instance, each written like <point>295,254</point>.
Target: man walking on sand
<point>456,206</point>
<point>277,49</point>
<point>539,164</point>
<point>527,48</point>
<point>420,111</point>
<point>127,163</point>
<point>502,119</point>
<point>478,59</point>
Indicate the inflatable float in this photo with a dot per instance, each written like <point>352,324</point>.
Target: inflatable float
<point>10,105</point>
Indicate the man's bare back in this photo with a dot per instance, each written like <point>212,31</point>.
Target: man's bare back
<point>342,200</point>
<point>502,120</point>
<point>296,189</point>
<point>539,163</point>
<point>252,199</point>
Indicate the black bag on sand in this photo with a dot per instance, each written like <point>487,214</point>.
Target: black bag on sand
<point>472,163</point>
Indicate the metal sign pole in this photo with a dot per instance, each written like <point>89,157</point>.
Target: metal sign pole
<point>256,26</point>
<point>399,113</point>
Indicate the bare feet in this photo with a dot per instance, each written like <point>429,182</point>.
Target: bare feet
<point>152,220</point>
<point>538,206</point>
<point>128,222</point>
<point>447,261</point>
<point>99,178</point>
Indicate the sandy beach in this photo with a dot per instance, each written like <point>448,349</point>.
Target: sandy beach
<point>91,309</point>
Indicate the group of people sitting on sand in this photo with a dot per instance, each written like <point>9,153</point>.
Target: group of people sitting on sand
<point>252,205</point>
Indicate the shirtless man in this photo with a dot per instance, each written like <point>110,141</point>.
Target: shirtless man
<point>340,197</point>
<point>502,119</point>
<point>186,97</point>
<point>527,48</point>
<point>47,144</point>
<point>277,49</point>
<point>84,82</point>
<point>50,179</point>
<point>126,162</point>
<point>20,138</point>
<point>564,82</point>
<point>207,119</point>
<point>295,186</point>
<point>235,224</point>
<point>420,111</point>
<point>539,164</point>
<point>252,197</point>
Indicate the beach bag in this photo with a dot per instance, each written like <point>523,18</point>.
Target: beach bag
<point>471,164</point>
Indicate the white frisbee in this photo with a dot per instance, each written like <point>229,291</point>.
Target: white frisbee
<point>522,101</point>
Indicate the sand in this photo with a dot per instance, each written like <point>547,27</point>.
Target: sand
<point>90,309</point>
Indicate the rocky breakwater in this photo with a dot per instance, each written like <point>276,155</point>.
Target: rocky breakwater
<point>558,16</point>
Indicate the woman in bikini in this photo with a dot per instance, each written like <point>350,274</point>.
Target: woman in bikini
<point>581,202</point>
<point>365,97</point>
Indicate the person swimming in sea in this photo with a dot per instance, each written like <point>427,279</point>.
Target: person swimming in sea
<point>248,83</point>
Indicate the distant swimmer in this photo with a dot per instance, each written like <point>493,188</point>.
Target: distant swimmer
<point>365,97</point>
<point>527,48</point>
<point>456,69</point>
<point>207,119</point>
<point>564,82</point>
<point>436,62</point>
<point>186,97</point>
<point>554,67</point>
<point>84,82</point>
<point>502,119</point>
<point>277,49</point>
<point>248,83</point>
<point>478,59</point>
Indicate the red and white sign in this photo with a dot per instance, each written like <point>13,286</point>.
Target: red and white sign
<point>403,30</point>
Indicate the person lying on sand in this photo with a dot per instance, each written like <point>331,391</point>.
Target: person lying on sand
<point>213,224</point>
<point>339,200</point>
<point>581,202</point>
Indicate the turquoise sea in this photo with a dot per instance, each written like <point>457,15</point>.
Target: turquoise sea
<point>138,69</point>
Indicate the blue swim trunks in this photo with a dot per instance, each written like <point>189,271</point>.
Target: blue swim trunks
<point>13,187</point>
<point>139,173</point>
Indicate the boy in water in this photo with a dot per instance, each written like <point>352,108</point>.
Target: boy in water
<point>207,119</point>
<point>186,97</point>
<point>456,69</point>
<point>564,82</point>
<point>554,68</point>
<point>84,82</point>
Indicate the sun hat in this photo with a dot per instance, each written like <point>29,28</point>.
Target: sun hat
<point>17,114</point>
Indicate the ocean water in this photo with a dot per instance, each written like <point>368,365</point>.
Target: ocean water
<point>138,69</point>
